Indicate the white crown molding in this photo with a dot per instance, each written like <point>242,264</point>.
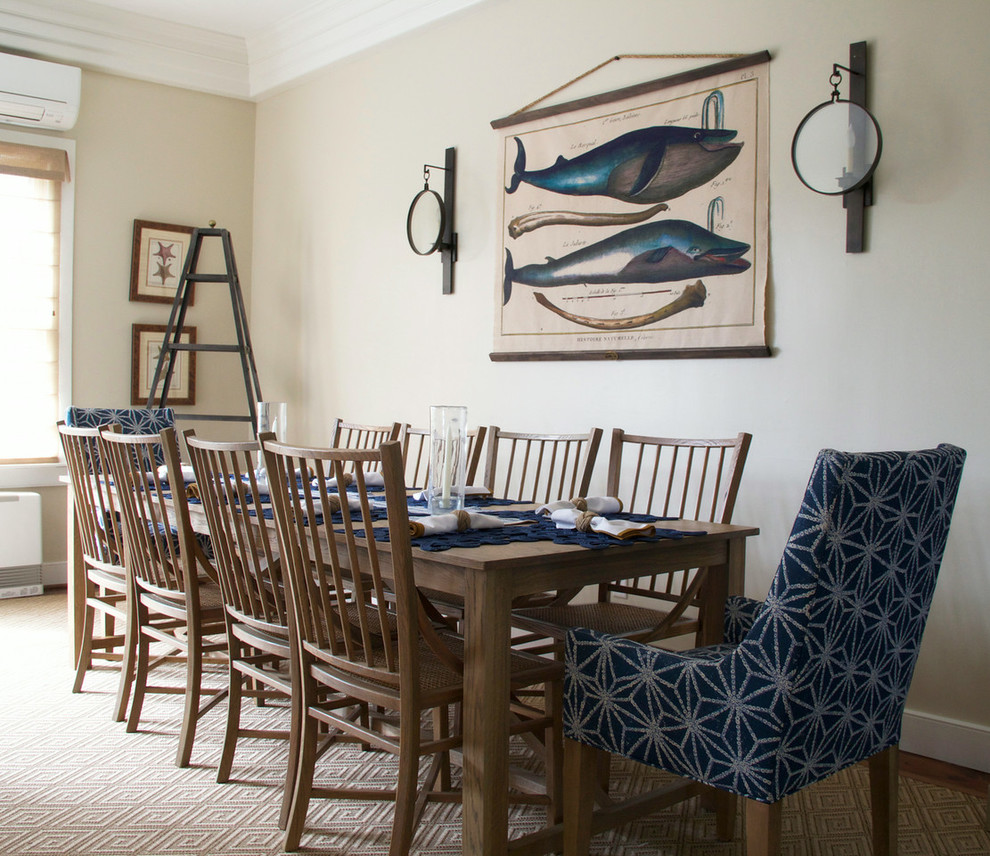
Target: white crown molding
<point>104,39</point>
<point>328,32</point>
<point>125,43</point>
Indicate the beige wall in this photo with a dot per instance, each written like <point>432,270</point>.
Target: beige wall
<point>152,153</point>
<point>880,350</point>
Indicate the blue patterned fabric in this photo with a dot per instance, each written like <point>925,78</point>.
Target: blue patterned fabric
<point>819,679</point>
<point>138,420</point>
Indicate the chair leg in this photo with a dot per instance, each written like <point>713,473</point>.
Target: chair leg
<point>763,828</point>
<point>405,789</point>
<point>725,815</point>
<point>554,758</point>
<point>234,697</point>
<point>297,715</point>
<point>142,644</point>
<point>441,730</point>
<point>883,798</point>
<point>85,659</point>
<point>302,788</point>
<point>128,656</point>
<point>581,765</point>
<point>194,683</point>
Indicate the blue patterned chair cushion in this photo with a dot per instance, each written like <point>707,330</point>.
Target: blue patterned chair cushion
<point>138,420</point>
<point>815,678</point>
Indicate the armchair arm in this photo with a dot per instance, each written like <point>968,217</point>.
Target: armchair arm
<point>704,714</point>
<point>740,613</point>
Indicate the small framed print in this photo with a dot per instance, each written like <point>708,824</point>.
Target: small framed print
<point>146,345</point>
<point>157,257</point>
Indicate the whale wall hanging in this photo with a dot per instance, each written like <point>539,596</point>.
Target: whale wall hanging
<point>634,224</point>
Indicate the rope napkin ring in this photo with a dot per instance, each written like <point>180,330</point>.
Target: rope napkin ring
<point>583,521</point>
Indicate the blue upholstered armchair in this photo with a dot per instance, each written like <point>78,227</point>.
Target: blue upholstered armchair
<point>807,683</point>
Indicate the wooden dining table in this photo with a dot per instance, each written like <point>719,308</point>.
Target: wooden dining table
<point>489,578</point>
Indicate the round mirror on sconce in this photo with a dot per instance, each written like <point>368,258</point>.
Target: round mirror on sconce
<point>836,147</point>
<point>425,222</point>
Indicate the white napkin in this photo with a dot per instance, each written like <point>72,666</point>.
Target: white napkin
<point>372,478</point>
<point>438,524</point>
<point>187,473</point>
<point>595,504</point>
<point>567,518</point>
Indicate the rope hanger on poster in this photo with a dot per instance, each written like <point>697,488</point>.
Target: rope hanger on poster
<point>616,58</point>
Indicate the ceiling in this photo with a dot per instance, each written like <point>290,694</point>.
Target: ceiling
<point>240,48</point>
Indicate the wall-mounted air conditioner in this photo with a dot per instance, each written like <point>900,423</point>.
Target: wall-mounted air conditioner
<point>38,94</point>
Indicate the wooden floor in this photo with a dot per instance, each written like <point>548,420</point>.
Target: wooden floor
<point>947,775</point>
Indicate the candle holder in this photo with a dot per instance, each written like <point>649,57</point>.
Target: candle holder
<point>448,458</point>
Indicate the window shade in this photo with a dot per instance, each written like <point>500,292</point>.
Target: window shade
<point>34,162</point>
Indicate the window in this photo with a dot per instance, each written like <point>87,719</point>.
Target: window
<point>35,259</point>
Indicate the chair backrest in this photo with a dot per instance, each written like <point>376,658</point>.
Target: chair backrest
<point>666,477</point>
<point>94,503</point>
<point>416,453</point>
<point>693,479</point>
<point>540,467</point>
<point>133,420</point>
<point>842,624</point>
<point>162,559</point>
<point>244,549</point>
<point>352,435</point>
<point>347,613</point>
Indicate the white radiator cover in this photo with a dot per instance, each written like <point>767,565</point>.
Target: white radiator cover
<point>20,544</point>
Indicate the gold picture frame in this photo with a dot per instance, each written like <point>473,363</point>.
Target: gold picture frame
<point>146,344</point>
<point>157,256</point>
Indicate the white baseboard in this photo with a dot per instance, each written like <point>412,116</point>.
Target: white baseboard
<point>54,573</point>
<point>950,740</point>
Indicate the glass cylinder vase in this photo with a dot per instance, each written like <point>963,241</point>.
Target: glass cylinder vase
<point>448,458</point>
<point>271,417</point>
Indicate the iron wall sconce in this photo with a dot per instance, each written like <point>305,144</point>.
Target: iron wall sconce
<point>837,147</point>
<point>430,222</point>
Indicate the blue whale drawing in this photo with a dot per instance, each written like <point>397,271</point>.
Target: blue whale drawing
<point>649,165</point>
<point>662,251</point>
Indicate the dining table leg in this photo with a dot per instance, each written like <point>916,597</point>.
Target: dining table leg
<point>486,715</point>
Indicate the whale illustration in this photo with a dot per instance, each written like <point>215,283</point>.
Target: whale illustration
<point>662,251</point>
<point>648,165</point>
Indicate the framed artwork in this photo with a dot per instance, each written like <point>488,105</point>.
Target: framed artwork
<point>146,345</point>
<point>157,257</point>
<point>634,224</point>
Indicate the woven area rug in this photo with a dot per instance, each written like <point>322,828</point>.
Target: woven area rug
<point>73,782</point>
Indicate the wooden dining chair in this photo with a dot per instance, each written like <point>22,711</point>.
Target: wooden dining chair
<point>416,453</point>
<point>540,467</point>
<point>695,479</point>
<point>98,536</point>
<point>98,530</point>
<point>255,597</point>
<point>354,435</point>
<point>364,640</point>
<point>177,601</point>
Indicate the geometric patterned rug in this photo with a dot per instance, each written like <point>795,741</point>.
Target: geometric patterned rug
<point>74,782</point>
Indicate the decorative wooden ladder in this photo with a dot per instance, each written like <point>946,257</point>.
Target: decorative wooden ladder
<point>176,321</point>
